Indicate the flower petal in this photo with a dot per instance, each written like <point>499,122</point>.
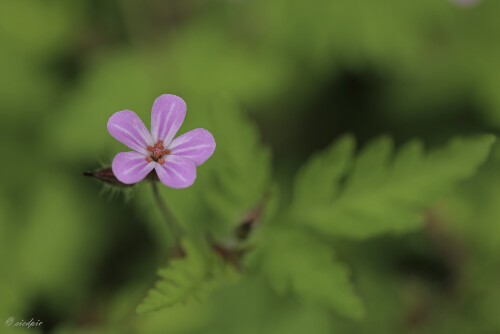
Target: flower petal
<point>176,172</point>
<point>197,145</point>
<point>129,129</point>
<point>131,167</point>
<point>167,117</point>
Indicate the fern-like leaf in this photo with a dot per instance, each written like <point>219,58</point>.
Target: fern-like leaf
<point>295,261</point>
<point>379,191</point>
<point>186,280</point>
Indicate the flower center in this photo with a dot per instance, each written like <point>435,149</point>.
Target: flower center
<point>157,152</point>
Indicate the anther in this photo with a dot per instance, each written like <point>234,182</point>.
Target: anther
<point>150,148</point>
<point>161,161</point>
<point>167,151</point>
<point>160,142</point>
<point>156,155</point>
<point>149,159</point>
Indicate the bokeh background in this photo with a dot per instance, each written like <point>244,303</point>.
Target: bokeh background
<point>275,81</point>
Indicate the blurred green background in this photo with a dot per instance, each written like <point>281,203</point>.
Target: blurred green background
<point>275,81</point>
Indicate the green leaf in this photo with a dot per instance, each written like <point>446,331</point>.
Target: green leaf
<point>241,165</point>
<point>317,182</point>
<point>186,280</point>
<point>380,191</point>
<point>293,260</point>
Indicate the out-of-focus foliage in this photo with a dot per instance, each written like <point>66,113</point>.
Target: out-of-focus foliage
<point>382,191</point>
<point>283,76</point>
<point>308,269</point>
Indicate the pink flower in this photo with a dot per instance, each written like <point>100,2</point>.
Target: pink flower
<point>174,160</point>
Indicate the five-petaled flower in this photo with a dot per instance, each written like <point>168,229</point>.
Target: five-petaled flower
<point>174,160</point>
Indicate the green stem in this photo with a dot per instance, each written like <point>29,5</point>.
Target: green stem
<point>167,214</point>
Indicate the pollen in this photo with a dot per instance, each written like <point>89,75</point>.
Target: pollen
<point>157,152</point>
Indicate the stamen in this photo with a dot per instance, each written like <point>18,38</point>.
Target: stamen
<point>157,152</point>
